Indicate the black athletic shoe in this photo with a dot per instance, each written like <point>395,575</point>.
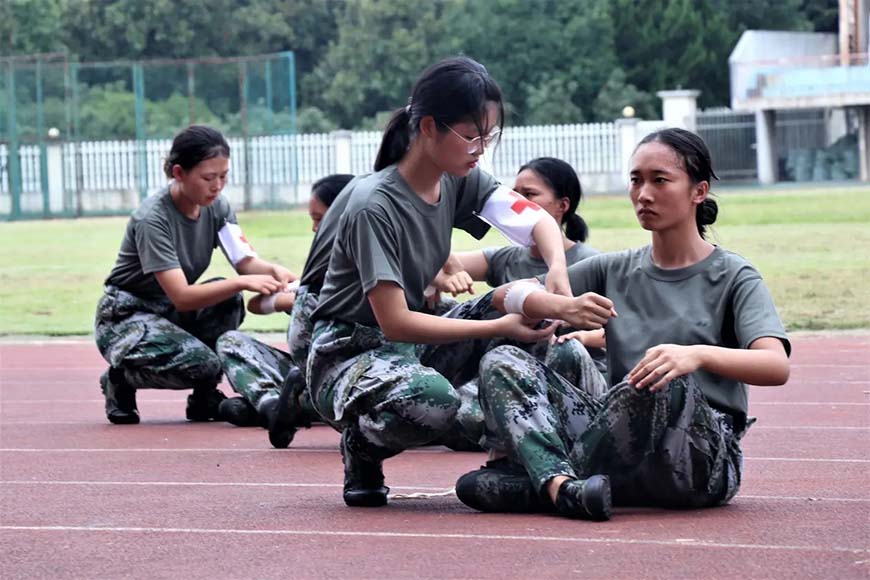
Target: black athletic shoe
<point>363,472</point>
<point>120,398</point>
<point>239,412</point>
<point>283,414</point>
<point>204,404</point>
<point>501,486</point>
<point>587,499</point>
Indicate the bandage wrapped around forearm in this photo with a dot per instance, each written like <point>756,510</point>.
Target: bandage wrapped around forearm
<point>267,303</point>
<point>518,292</point>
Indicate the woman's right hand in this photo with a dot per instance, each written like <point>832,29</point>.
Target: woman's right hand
<point>588,311</point>
<point>260,283</point>
<point>522,329</point>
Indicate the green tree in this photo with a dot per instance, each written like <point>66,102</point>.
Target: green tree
<point>541,52</point>
<point>617,93</point>
<point>379,50</point>
<point>30,26</point>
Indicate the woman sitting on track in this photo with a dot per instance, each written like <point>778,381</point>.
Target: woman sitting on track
<point>364,374</point>
<point>256,370</point>
<point>154,326</point>
<point>695,323</point>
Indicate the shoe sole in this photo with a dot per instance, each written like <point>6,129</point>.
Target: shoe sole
<point>597,500</point>
<point>123,419</point>
<point>365,498</point>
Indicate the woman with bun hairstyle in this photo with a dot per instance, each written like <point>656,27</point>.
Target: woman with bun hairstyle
<point>689,325</point>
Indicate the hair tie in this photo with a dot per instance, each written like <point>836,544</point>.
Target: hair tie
<point>408,106</point>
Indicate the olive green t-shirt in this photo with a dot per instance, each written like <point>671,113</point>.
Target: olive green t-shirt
<point>317,262</point>
<point>720,301</point>
<point>510,263</point>
<point>159,238</point>
<point>388,233</point>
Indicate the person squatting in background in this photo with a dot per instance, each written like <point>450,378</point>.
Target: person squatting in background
<point>256,370</point>
<point>155,326</point>
<point>695,323</point>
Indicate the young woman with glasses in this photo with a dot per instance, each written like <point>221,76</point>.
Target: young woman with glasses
<point>364,375</point>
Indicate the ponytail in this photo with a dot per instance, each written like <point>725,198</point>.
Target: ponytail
<point>396,139</point>
<point>705,215</point>
<point>575,228</point>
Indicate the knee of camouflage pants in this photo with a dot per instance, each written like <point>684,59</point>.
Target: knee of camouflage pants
<point>425,409</point>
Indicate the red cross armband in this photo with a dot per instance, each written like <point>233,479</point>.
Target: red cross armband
<point>512,215</point>
<point>234,244</point>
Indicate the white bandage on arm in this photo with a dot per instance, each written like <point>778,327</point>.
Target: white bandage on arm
<point>512,215</point>
<point>267,303</point>
<point>518,292</point>
<point>233,241</point>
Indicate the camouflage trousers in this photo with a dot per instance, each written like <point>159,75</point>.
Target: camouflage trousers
<point>667,449</point>
<point>256,370</point>
<point>300,328</point>
<point>460,363</point>
<point>358,378</point>
<point>158,347</point>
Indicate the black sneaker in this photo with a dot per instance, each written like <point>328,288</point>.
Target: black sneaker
<point>239,412</point>
<point>501,486</point>
<point>587,499</point>
<point>363,472</point>
<point>204,404</point>
<point>120,398</point>
<point>283,414</point>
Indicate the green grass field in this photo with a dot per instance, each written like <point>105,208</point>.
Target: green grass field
<point>811,245</point>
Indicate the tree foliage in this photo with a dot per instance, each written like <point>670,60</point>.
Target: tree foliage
<point>556,60</point>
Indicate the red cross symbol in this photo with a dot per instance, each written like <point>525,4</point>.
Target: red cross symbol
<point>521,203</point>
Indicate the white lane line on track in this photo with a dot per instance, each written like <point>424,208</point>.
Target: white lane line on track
<point>330,450</point>
<point>243,484</point>
<point>436,536</point>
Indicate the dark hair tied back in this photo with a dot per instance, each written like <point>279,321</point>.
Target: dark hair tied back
<point>695,155</point>
<point>453,90</point>
<point>563,180</point>
<point>326,189</point>
<point>194,145</point>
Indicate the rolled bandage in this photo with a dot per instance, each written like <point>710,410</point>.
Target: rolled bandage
<point>517,294</point>
<point>267,303</point>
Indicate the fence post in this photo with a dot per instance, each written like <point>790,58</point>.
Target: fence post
<point>54,176</point>
<point>342,141</point>
<point>139,106</point>
<point>628,138</point>
<point>679,108</point>
<point>13,160</point>
<point>765,146</point>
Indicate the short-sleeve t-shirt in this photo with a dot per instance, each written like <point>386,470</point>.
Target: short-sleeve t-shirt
<point>511,263</point>
<point>317,262</point>
<point>388,233</point>
<point>720,301</point>
<point>159,238</point>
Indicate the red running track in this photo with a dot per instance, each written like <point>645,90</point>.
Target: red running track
<point>80,498</point>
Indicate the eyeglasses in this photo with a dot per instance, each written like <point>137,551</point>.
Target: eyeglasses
<point>479,142</point>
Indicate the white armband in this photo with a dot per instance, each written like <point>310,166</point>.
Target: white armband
<point>517,294</point>
<point>512,215</point>
<point>233,241</point>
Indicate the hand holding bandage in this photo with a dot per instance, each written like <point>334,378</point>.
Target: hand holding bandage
<point>529,298</point>
<point>268,304</point>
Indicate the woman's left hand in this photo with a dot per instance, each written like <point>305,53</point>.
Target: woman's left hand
<point>663,363</point>
<point>283,275</point>
<point>557,281</point>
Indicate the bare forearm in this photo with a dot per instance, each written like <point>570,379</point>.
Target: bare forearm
<point>283,303</point>
<point>548,238</point>
<point>197,296</point>
<point>254,265</point>
<point>427,329</point>
<point>754,366</point>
